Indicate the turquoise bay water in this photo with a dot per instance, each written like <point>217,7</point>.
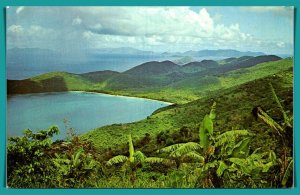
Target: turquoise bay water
<point>84,111</point>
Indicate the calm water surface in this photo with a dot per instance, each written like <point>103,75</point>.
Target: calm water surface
<point>83,111</point>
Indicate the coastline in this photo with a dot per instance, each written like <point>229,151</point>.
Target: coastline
<point>103,93</point>
<point>81,93</point>
<point>109,94</point>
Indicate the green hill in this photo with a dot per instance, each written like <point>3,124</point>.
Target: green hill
<point>49,82</point>
<point>232,78</point>
<point>234,110</point>
<point>99,76</point>
<point>153,68</point>
<point>197,85</point>
<point>158,80</point>
<point>193,67</point>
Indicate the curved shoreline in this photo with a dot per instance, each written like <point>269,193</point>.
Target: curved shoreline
<point>95,92</point>
<point>86,94</point>
<point>108,94</point>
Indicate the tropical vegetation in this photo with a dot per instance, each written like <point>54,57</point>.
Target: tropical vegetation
<point>231,126</point>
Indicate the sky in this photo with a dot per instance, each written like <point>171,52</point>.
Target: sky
<point>161,29</point>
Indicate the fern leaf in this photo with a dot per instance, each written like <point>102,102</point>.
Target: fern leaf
<point>154,160</point>
<point>195,156</point>
<point>287,173</point>
<point>117,160</point>
<point>185,148</point>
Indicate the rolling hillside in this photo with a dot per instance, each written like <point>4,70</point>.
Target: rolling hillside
<point>193,67</point>
<point>234,110</point>
<point>99,76</point>
<point>49,82</point>
<point>159,80</point>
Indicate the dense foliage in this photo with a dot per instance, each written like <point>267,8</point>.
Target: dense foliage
<point>218,160</point>
<point>34,160</point>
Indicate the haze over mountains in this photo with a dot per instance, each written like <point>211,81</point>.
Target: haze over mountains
<point>23,63</point>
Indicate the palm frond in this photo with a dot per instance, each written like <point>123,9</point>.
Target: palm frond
<point>154,160</point>
<point>195,156</point>
<point>287,173</point>
<point>212,114</point>
<point>258,156</point>
<point>269,121</point>
<point>222,167</point>
<point>230,136</point>
<point>76,157</point>
<point>287,119</point>
<point>206,129</point>
<point>116,160</point>
<point>241,150</point>
<point>185,148</point>
<point>171,148</point>
<point>131,149</point>
<point>139,156</point>
<point>272,156</point>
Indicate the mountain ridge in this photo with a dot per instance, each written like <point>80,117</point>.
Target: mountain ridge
<point>173,85</point>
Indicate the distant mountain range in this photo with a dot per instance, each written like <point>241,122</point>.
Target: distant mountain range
<point>149,76</point>
<point>27,62</point>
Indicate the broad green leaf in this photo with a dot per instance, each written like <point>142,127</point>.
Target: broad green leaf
<point>206,128</point>
<point>131,149</point>
<point>241,150</point>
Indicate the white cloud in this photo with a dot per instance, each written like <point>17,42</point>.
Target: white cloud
<point>19,9</point>
<point>149,21</point>
<point>32,36</point>
<point>76,21</point>
<point>15,29</point>
<point>154,28</point>
<point>280,44</point>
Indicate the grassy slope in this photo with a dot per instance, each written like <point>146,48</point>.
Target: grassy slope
<point>233,98</point>
<point>196,87</point>
<point>99,76</point>
<point>233,78</point>
<point>71,81</point>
